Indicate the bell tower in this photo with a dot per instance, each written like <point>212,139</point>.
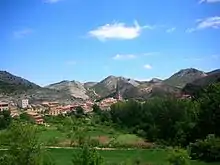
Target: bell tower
<point>118,93</point>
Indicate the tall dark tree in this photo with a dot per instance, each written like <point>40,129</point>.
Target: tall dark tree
<point>209,114</point>
<point>96,109</point>
<point>5,119</point>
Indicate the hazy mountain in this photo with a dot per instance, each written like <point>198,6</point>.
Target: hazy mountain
<point>13,87</point>
<point>184,76</point>
<point>73,88</point>
<point>109,84</point>
<point>11,84</point>
<point>155,80</point>
<point>89,84</point>
<point>153,88</point>
<point>212,77</point>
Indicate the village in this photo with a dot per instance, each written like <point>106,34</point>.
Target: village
<point>38,111</point>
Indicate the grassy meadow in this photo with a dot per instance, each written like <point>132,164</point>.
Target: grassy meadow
<point>151,156</point>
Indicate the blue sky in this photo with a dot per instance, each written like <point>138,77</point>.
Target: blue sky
<point>47,41</point>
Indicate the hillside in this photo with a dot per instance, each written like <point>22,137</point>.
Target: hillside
<point>13,87</point>
<point>73,88</point>
<point>184,76</point>
<point>186,80</point>
<point>108,86</point>
<point>151,89</point>
<point>193,87</point>
<point>14,84</point>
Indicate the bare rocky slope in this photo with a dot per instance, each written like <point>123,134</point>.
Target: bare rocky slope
<point>73,88</point>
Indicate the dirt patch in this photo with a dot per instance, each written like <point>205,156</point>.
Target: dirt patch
<point>64,143</point>
<point>103,139</point>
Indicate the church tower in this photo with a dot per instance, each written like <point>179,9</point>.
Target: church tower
<point>118,93</point>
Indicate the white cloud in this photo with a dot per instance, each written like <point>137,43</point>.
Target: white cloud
<point>51,1</point>
<point>210,22</point>
<point>208,1</point>
<point>118,31</point>
<point>190,30</point>
<point>170,30</point>
<point>124,56</point>
<point>194,59</point>
<point>22,33</point>
<point>151,53</point>
<point>147,66</point>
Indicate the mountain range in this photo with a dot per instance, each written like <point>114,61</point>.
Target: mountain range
<point>185,81</point>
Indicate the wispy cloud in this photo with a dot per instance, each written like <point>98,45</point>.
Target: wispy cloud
<point>151,53</point>
<point>51,1</point>
<point>147,66</point>
<point>22,33</point>
<point>133,56</point>
<point>71,62</point>
<point>204,58</point>
<point>118,31</point>
<point>124,56</point>
<point>190,30</point>
<point>170,30</point>
<point>208,1</point>
<point>194,59</point>
<point>210,22</point>
<point>215,56</point>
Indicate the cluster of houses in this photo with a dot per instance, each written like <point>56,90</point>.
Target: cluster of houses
<point>37,111</point>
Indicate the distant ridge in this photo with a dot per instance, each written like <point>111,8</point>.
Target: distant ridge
<point>186,81</point>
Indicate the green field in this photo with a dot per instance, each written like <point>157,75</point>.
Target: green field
<point>154,157</point>
<point>57,135</point>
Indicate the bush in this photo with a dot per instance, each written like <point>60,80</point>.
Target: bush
<point>178,156</point>
<point>206,150</point>
<point>87,156</point>
<point>94,142</point>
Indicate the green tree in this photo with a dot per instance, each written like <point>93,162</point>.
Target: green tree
<point>178,156</point>
<point>207,149</point>
<point>5,119</point>
<point>96,109</point>
<point>79,112</point>
<point>26,118</point>
<point>87,156</point>
<point>23,146</point>
<point>209,114</point>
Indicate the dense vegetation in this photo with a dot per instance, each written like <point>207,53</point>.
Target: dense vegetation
<point>5,119</point>
<point>172,121</point>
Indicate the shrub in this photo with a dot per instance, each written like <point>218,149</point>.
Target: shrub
<point>206,150</point>
<point>178,156</point>
<point>87,156</point>
<point>94,142</point>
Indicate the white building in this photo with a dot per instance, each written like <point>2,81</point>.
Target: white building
<point>24,103</point>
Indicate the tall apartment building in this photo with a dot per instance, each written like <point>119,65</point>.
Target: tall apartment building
<point>24,103</point>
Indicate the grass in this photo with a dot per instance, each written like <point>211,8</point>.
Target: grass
<point>155,157</point>
<point>105,134</point>
<point>49,134</point>
<point>127,139</point>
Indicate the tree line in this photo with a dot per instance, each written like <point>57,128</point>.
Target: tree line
<point>176,122</point>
